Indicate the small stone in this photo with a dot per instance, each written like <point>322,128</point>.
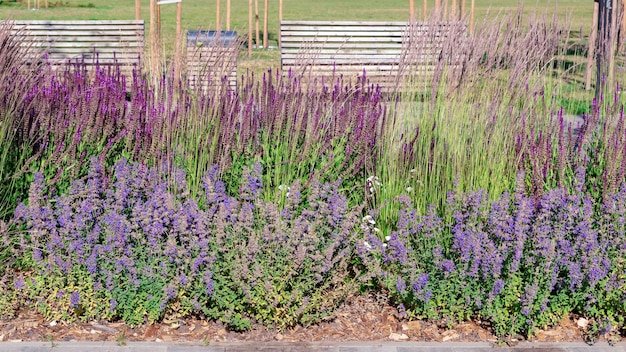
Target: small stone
<point>158,340</point>
<point>582,323</point>
<point>92,331</point>
<point>398,337</point>
<point>1,338</point>
<point>450,335</point>
<point>221,332</point>
<point>53,323</point>
<point>103,328</point>
<point>16,340</point>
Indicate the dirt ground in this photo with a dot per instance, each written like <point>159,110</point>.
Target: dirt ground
<point>360,319</point>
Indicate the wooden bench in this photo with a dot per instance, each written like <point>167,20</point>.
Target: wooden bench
<point>212,59</point>
<point>388,52</point>
<point>117,42</point>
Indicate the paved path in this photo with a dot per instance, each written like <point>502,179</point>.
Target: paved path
<point>303,347</point>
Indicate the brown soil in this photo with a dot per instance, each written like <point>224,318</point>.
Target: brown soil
<point>361,319</point>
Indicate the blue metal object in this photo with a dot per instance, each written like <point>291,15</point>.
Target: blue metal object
<point>211,38</point>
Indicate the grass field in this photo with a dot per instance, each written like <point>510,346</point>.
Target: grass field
<point>202,14</point>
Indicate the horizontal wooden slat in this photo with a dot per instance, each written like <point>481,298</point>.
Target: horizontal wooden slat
<point>113,35</point>
<point>383,50</point>
<point>351,34</point>
<point>344,39</point>
<point>109,42</point>
<point>78,22</point>
<point>98,46</point>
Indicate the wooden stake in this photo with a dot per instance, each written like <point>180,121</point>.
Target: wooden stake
<point>153,45</point>
<point>453,11</point>
<point>623,18</point>
<point>612,44</point>
<point>158,30</point>
<point>218,25</point>
<point>179,48</point>
<point>425,10</point>
<point>256,22</point>
<point>472,16</point>
<point>280,21</point>
<point>438,7</point>
<point>412,10</point>
<point>463,9</point>
<point>601,50</point>
<point>249,28</point>
<point>266,43</point>
<point>592,45</point>
<point>227,15</point>
<point>138,9</point>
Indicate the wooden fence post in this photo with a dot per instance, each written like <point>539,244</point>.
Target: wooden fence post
<point>256,22</point>
<point>218,25</point>
<point>153,44</point>
<point>453,11</point>
<point>472,16</point>
<point>280,21</point>
<point>138,9</point>
<point>425,10</point>
<point>179,47</point>
<point>227,15</point>
<point>592,44</point>
<point>249,28</point>
<point>265,24</point>
<point>411,10</point>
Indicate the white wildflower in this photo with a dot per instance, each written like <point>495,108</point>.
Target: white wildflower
<point>387,238</point>
<point>283,188</point>
<point>369,219</point>
<point>367,245</point>
<point>384,245</point>
<point>376,229</point>
<point>409,189</point>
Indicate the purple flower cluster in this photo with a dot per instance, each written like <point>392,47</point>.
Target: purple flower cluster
<point>143,244</point>
<point>526,255</point>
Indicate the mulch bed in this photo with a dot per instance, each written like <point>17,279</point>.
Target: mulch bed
<point>360,319</point>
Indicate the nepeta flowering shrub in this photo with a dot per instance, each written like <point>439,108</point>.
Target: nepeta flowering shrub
<point>519,262</point>
<point>134,248</point>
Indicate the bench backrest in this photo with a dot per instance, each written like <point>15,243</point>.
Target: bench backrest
<point>119,42</point>
<point>384,50</point>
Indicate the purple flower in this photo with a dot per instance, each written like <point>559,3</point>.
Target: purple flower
<point>74,299</point>
<point>420,284</point>
<point>498,285</point>
<point>400,285</point>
